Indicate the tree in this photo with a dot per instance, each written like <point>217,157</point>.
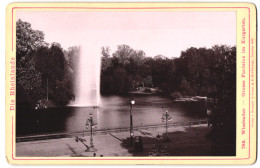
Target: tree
<point>185,87</point>
<point>105,51</point>
<point>27,40</point>
<point>29,80</point>
<point>106,60</point>
<point>121,85</point>
<point>42,71</point>
<point>55,73</point>
<point>148,81</point>
<point>62,93</point>
<point>123,54</point>
<point>137,57</point>
<point>28,77</point>
<point>72,57</point>
<point>57,62</point>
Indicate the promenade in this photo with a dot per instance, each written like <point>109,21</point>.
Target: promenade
<point>190,140</point>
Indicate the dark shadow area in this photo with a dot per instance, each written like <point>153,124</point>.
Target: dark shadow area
<point>50,120</point>
<point>195,141</point>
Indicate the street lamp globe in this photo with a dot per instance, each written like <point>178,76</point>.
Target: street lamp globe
<point>132,102</point>
<point>209,112</point>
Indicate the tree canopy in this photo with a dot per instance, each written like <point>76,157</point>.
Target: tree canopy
<point>43,72</point>
<point>198,71</point>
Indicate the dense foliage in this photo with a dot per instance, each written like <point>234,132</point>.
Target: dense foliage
<point>198,71</point>
<point>44,72</point>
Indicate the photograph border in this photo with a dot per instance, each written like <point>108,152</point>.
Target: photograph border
<point>118,6</point>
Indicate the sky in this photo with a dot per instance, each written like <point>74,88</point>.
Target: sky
<point>155,32</point>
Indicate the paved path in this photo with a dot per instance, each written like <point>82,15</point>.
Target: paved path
<point>106,145</point>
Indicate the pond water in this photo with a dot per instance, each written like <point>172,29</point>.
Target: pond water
<point>114,112</point>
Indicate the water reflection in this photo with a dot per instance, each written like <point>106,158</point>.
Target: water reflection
<point>112,113</point>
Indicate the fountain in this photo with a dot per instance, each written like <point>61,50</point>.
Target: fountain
<point>87,83</point>
<point>86,88</point>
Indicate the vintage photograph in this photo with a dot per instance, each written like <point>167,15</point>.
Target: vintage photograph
<point>118,83</point>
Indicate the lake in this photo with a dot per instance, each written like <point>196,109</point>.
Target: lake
<point>114,112</point>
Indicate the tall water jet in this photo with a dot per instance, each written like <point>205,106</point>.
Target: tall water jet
<point>87,82</point>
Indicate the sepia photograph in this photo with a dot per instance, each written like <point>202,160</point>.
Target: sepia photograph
<point>119,83</point>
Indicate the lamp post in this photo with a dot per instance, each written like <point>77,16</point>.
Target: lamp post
<point>165,118</point>
<point>90,124</point>
<point>131,122</point>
